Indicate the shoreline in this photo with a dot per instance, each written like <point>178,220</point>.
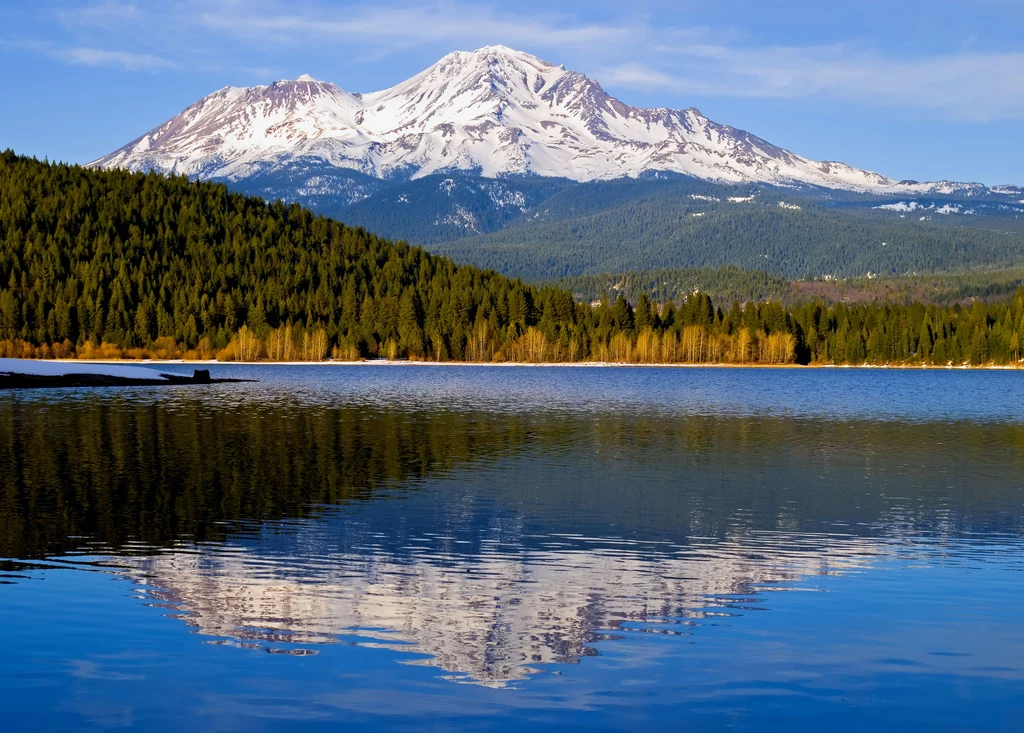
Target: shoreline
<point>571,365</point>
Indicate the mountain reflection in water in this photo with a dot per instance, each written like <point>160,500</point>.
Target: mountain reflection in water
<point>484,618</point>
<point>490,541</point>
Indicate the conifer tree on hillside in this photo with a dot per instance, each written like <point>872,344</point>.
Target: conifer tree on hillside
<point>112,264</point>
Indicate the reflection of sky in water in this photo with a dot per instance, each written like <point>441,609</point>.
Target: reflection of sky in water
<point>624,548</point>
<point>829,393</point>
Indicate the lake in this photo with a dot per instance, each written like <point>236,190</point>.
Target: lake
<point>495,548</point>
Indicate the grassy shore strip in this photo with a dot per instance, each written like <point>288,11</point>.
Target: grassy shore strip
<point>575,365</point>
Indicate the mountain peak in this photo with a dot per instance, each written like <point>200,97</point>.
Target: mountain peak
<point>499,51</point>
<point>493,111</point>
<point>492,55</point>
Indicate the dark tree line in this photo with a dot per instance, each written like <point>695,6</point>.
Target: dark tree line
<point>728,283</point>
<point>118,264</point>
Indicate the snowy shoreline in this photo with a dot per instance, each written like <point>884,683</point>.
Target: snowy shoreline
<point>39,373</point>
<point>68,367</point>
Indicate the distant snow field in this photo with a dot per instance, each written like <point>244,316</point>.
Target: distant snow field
<point>901,206</point>
<point>946,209</point>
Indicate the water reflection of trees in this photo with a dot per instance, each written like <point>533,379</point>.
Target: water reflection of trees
<point>154,474</point>
<point>116,473</point>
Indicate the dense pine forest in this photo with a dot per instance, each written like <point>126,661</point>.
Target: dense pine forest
<point>724,284</point>
<point>728,283</point>
<point>111,264</point>
<point>623,225</point>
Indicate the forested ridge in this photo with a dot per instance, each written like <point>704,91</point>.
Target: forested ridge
<point>117,264</point>
<point>727,283</point>
<point>541,228</point>
<point>724,284</point>
<point>618,226</point>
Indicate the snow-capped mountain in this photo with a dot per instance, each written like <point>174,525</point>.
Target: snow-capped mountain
<point>491,112</point>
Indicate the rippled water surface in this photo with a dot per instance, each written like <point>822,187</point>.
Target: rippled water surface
<point>495,548</point>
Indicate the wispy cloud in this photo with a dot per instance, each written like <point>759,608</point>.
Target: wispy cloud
<point>219,35</point>
<point>636,75</point>
<point>113,59</point>
<point>966,85</point>
<point>402,25</point>
<point>390,26</point>
<point>630,52</point>
<point>108,15</point>
<point>97,57</point>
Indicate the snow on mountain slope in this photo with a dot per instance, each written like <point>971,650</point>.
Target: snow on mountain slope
<point>493,111</point>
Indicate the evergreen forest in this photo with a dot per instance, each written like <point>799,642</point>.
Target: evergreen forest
<point>112,264</point>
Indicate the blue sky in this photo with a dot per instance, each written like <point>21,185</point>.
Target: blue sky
<point>924,89</point>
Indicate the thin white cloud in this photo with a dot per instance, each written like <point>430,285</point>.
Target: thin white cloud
<point>398,25</point>
<point>967,85</point>
<point>112,59</point>
<point>634,75</point>
<point>108,15</point>
<point>89,56</point>
<point>637,53</point>
<point>222,34</point>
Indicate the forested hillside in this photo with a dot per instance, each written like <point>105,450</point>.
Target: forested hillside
<point>441,208</point>
<point>724,285</point>
<point>618,226</point>
<point>111,264</point>
<point>728,283</point>
<point>141,261</point>
<point>545,228</point>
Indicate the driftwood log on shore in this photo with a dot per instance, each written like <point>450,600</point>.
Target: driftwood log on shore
<point>11,380</point>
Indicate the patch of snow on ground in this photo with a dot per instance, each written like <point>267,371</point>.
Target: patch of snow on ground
<point>740,199</point>
<point>948,209</point>
<point>461,217</point>
<point>901,206</point>
<point>699,197</point>
<point>793,207</point>
<point>502,197</point>
<point>64,368</point>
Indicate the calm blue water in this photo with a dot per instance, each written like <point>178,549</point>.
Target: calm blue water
<point>490,548</point>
